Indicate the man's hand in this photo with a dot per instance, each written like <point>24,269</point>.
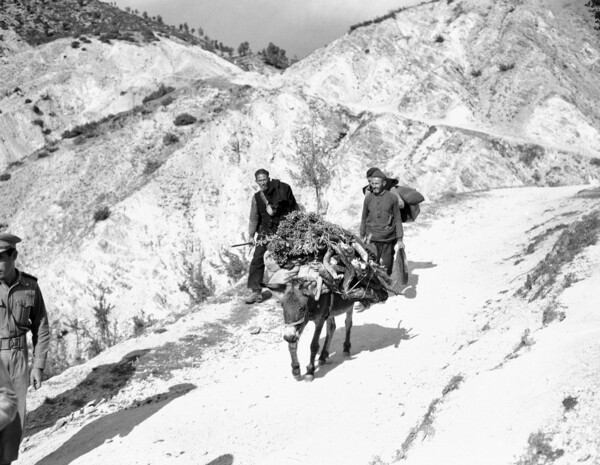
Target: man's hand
<point>399,245</point>
<point>270,210</point>
<point>35,378</point>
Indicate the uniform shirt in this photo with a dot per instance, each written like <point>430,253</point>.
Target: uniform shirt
<point>381,217</point>
<point>22,309</point>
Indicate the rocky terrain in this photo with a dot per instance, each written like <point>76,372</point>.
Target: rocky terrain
<point>127,168</point>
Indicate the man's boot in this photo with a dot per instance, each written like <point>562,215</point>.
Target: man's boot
<point>255,297</point>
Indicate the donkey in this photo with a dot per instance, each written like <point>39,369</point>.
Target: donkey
<point>299,307</point>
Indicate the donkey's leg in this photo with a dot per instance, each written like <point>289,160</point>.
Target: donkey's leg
<point>293,346</point>
<point>314,348</point>
<point>348,322</point>
<point>330,332</point>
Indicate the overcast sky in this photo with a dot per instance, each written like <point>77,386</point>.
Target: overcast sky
<point>297,26</point>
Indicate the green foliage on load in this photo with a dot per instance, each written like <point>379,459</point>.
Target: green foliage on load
<point>303,237</point>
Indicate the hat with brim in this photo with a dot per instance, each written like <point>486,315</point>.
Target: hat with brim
<point>8,241</point>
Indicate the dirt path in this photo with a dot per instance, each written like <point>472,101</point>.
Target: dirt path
<point>456,322</point>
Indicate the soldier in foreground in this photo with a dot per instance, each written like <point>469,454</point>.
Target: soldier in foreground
<point>22,309</point>
<point>270,205</point>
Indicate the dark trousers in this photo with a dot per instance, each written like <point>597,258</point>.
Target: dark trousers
<point>257,268</point>
<point>385,255</point>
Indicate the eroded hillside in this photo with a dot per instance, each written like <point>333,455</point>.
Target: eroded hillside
<point>523,69</point>
<point>130,207</point>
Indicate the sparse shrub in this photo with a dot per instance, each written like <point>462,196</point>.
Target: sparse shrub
<point>453,384</point>
<point>595,161</point>
<point>141,323</point>
<point>15,164</point>
<point>551,313</point>
<point>27,100</point>
<point>570,279</point>
<point>168,100</point>
<point>506,66</point>
<point>476,72</point>
<point>52,148</point>
<point>75,44</point>
<point>526,340</point>
<point>367,51</point>
<point>4,176</point>
<point>234,265</point>
<point>314,160</point>
<point>87,130</point>
<point>94,348</point>
<point>101,214</point>
<point>151,166</point>
<point>102,309</point>
<point>162,90</point>
<point>169,138</point>
<point>37,110</point>
<point>196,285</point>
<point>184,119</point>
<point>47,131</point>
<point>529,153</point>
<point>539,450</point>
<point>38,122</point>
<point>569,403</point>
<point>439,39</point>
<point>43,154</point>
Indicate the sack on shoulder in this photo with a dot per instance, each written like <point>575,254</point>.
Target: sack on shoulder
<point>412,198</point>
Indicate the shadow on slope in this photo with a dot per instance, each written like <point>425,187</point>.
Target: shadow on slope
<point>370,337</point>
<point>103,382</point>
<point>409,291</point>
<point>226,459</point>
<point>119,424</point>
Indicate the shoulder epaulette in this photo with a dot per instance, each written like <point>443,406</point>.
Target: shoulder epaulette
<point>27,275</point>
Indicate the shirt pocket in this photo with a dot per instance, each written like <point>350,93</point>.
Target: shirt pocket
<point>23,309</point>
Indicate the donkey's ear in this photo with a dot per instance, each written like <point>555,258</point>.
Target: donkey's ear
<point>277,289</point>
<point>308,288</point>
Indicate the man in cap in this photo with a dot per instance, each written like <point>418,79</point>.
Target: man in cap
<point>389,185</point>
<point>381,220</point>
<point>270,205</point>
<point>22,309</point>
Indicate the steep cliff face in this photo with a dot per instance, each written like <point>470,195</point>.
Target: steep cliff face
<point>519,69</point>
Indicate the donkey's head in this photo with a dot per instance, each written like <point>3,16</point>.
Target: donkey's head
<point>294,297</point>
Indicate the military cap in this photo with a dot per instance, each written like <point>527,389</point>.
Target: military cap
<point>378,174</point>
<point>8,241</point>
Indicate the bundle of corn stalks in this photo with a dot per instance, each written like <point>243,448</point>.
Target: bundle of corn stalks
<point>339,259</point>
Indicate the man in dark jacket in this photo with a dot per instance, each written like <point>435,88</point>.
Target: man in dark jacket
<point>270,205</point>
<point>381,221</point>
